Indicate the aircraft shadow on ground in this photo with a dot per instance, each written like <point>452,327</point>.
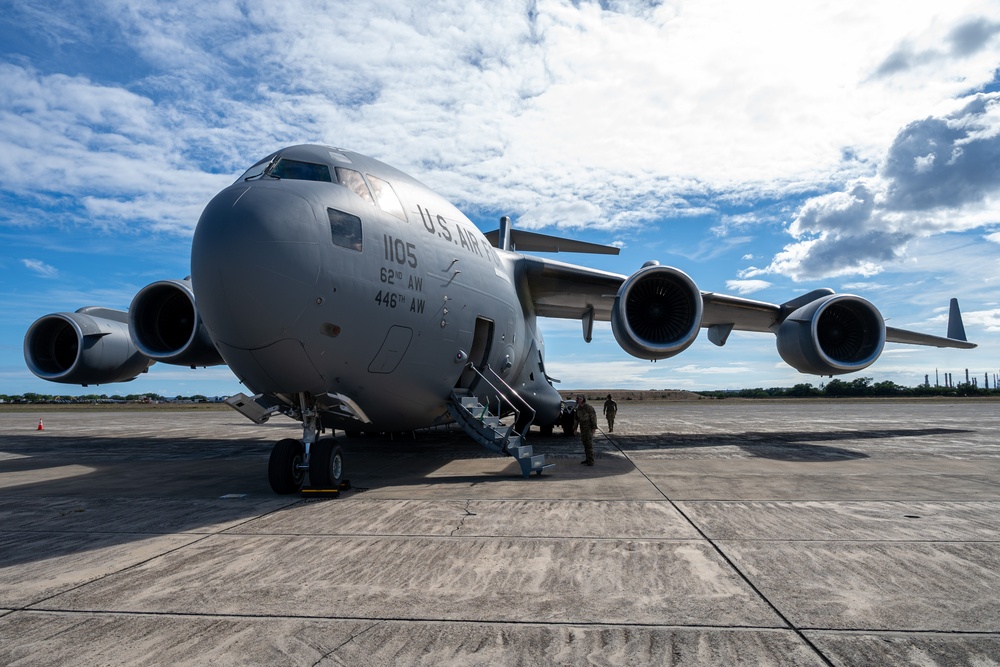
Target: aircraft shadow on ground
<point>165,475</point>
<point>141,487</point>
<point>799,446</point>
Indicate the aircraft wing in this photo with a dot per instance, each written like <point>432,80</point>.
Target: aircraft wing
<point>742,314</point>
<point>568,291</point>
<point>893,335</point>
<point>748,315</point>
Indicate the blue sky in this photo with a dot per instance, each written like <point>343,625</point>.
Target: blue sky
<point>767,151</point>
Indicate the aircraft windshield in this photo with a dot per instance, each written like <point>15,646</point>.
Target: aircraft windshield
<point>353,180</point>
<point>386,197</point>
<point>302,171</point>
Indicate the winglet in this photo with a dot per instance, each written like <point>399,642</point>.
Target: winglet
<point>956,330</point>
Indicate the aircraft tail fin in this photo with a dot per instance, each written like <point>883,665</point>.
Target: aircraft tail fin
<point>956,330</point>
<point>508,238</point>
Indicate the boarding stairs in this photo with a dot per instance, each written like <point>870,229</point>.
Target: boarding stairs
<point>487,428</point>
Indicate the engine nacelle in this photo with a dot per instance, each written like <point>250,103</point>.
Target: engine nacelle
<point>90,346</point>
<point>657,312</point>
<point>166,326</point>
<point>837,334</point>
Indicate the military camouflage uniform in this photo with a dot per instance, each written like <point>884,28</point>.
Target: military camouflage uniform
<point>586,419</point>
<point>610,410</point>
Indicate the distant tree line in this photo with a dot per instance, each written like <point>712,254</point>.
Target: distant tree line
<point>859,387</point>
<point>31,397</point>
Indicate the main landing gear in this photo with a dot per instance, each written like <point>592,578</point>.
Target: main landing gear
<point>291,459</point>
<point>289,463</point>
<point>286,470</point>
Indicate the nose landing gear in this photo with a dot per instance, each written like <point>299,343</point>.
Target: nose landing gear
<point>326,464</point>
<point>285,470</point>
<point>291,459</point>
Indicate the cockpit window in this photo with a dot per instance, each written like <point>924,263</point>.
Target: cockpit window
<point>386,198</point>
<point>345,228</point>
<point>301,171</point>
<point>256,170</point>
<point>353,180</point>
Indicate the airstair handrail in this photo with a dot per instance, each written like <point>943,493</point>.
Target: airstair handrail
<point>501,396</point>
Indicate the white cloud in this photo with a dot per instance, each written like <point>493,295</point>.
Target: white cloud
<point>747,286</point>
<point>695,369</point>
<point>969,38</point>
<point>41,268</point>
<point>988,320</point>
<point>111,151</point>
<point>869,226</point>
<point>566,114</point>
<point>603,374</point>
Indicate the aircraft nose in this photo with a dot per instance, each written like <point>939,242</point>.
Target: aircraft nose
<point>255,262</point>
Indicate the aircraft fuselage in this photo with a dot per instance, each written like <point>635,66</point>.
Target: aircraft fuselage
<point>324,271</point>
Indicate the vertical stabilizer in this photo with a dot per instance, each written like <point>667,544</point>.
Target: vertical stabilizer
<point>956,330</point>
<point>505,241</point>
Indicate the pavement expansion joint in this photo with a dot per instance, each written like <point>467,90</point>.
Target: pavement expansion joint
<point>739,527</point>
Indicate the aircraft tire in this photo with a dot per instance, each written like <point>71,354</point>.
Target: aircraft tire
<point>282,468</point>
<point>568,424</point>
<point>326,464</point>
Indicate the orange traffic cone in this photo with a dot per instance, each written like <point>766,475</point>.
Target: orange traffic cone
<point>41,427</point>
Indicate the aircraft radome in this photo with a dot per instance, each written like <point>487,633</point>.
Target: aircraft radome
<point>346,295</point>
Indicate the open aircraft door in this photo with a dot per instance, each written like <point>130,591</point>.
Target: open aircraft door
<point>479,353</point>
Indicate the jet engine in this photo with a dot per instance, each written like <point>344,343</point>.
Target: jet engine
<point>657,312</point>
<point>90,346</point>
<point>836,334</point>
<point>166,326</point>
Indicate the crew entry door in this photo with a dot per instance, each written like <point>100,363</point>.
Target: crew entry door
<point>479,353</point>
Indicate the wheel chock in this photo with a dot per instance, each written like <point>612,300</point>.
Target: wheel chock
<point>325,492</point>
<point>315,492</point>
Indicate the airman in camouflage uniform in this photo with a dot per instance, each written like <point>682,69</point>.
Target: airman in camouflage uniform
<point>610,410</point>
<point>586,419</point>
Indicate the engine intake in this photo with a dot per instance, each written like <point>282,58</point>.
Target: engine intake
<point>837,334</point>
<point>166,326</point>
<point>657,312</point>
<point>90,346</point>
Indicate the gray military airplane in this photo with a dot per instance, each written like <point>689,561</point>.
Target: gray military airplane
<point>347,295</point>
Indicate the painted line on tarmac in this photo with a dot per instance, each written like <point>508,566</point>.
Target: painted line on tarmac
<point>722,554</point>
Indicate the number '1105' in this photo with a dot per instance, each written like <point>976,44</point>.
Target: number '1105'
<point>396,250</point>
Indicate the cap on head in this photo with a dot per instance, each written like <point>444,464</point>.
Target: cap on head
<point>581,397</point>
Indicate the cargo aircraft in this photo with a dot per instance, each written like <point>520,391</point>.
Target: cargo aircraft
<point>347,295</point>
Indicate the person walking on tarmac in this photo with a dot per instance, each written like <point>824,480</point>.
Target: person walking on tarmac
<point>610,410</point>
<point>586,419</point>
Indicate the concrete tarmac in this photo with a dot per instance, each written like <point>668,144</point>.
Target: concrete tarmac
<point>712,532</point>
